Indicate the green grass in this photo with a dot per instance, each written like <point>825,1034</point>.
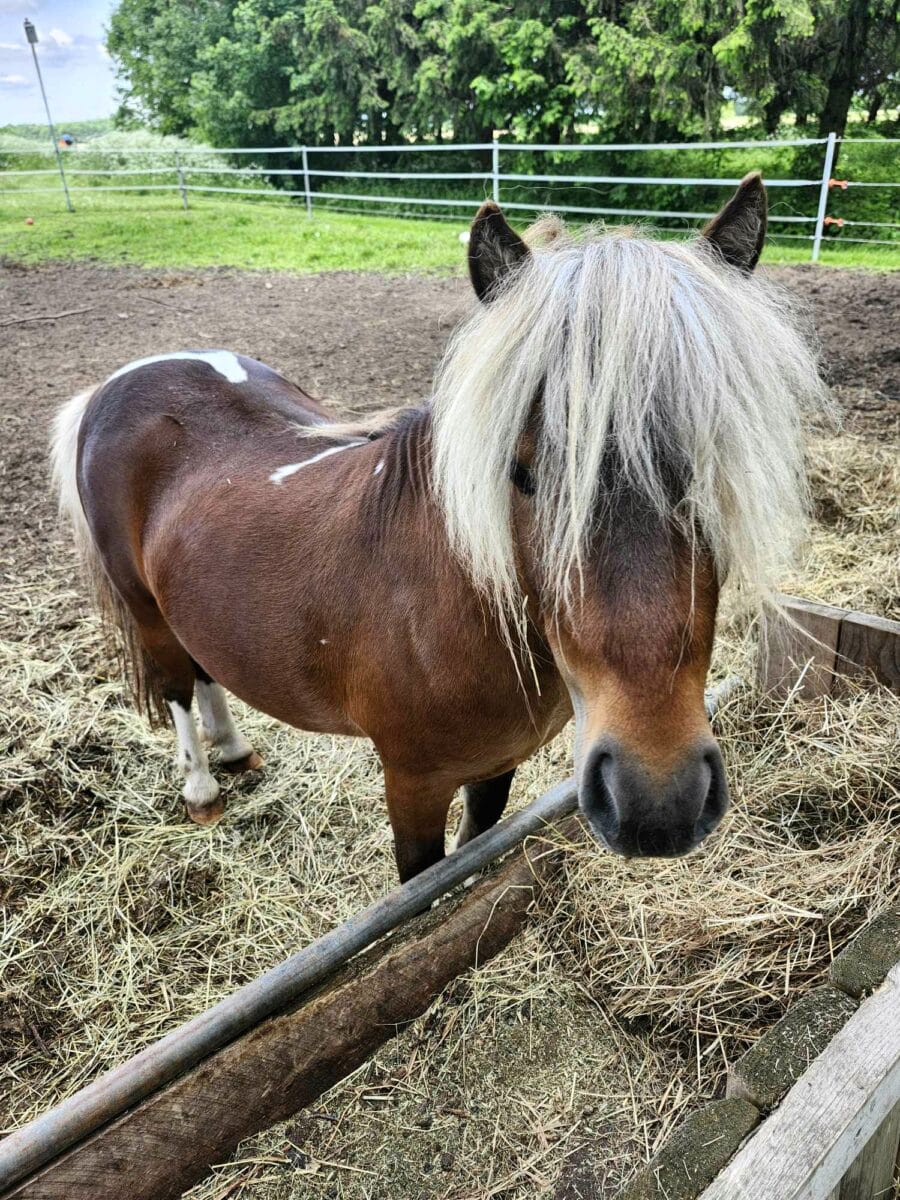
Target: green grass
<point>152,230</point>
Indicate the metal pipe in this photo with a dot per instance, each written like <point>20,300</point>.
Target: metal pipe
<point>640,179</point>
<point>48,1136</point>
<point>182,188</point>
<point>31,35</point>
<point>307,191</point>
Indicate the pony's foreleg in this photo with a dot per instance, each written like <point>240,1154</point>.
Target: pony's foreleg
<point>483,807</point>
<point>417,807</point>
<point>219,729</point>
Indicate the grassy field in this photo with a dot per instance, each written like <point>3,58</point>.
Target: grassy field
<point>153,230</point>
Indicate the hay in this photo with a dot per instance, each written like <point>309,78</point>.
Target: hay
<point>614,1013</point>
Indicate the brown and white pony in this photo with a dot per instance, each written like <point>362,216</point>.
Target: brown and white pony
<point>614,429</point>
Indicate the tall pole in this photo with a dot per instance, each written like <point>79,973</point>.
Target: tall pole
<point>31,35</point>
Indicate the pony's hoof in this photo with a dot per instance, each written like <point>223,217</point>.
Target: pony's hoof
<point>247,762</point>
<point>205,814</point>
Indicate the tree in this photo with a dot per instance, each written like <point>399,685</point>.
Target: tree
<point>156,46</point>
<point>813,57</point>
<point>649,69</point>
<point>857,36</point>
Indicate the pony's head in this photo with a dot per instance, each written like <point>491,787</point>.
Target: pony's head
<point>616,429</point>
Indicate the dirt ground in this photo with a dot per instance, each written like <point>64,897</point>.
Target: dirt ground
<point>408,1125</point>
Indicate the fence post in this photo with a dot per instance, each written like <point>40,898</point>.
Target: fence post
<point>306,190</point>
<point>182,186</point>
<point>495,169</point>
<point>823,194</point>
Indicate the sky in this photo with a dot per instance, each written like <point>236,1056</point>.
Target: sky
<point>77,72</point>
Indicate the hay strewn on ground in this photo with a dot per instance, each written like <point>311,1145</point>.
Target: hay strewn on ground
<point>619,1007</point>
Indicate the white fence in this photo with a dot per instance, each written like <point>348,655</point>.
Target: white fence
<point>182,175</point>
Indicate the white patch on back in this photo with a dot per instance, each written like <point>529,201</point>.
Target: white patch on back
<point>379,468</point>
<point>282,473</point>
<point>222,361</point>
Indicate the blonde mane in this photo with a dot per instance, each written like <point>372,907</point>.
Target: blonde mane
<point>654,350</point>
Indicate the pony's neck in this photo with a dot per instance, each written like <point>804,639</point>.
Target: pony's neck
<point>404,467</point>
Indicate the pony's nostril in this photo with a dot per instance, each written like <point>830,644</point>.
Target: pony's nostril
<point>598,796</point>
<point>716,802</point>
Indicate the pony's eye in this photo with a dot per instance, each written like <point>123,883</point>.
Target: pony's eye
<point>522,478</point>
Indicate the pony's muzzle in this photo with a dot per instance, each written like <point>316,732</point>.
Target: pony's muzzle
<point>637,814</point>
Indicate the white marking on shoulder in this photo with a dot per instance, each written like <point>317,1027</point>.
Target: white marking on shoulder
<point>379,468</point>
<point>282,473</point>
<point>222,361</point>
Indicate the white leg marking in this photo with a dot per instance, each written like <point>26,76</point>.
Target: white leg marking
<point>223,361</point>
<point>199,786</point>
<point>218,724</point>
<point>291,469</point>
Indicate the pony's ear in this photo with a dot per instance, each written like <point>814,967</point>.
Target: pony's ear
<point>494,251</point>
<point>739,230</point>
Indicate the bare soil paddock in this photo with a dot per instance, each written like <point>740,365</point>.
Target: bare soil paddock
<point>622,1004</point>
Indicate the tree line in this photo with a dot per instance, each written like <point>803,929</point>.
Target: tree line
<point>272,72</point>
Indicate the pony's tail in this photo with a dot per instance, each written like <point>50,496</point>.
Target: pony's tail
<point>118,622</point>
<point>64,462</point>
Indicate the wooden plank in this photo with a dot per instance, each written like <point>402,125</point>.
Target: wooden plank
<point>167,1142</point>
<point>870,646</point>
<point>803,642</point>
<point>872,1175</point>
<point>811,1141</point>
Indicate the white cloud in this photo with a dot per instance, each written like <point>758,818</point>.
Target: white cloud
<point>60,37</point>
<point>14,82</point>
<point>17,7</point>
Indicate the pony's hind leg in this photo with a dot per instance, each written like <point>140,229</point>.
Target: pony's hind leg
<point>483,805</point>
<point>172,678</point>
<point>219,730</point>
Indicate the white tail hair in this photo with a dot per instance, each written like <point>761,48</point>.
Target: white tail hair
<point>64,462</point>
<point>628,344</point>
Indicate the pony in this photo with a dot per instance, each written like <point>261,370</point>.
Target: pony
<point>614,430</point>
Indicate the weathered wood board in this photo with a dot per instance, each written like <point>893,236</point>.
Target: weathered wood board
<point>809,648</point>
<point>870,646</point>
<point>810,1143</point>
